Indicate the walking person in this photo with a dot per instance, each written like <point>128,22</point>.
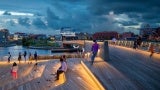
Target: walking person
<point>14,70</point>
<point>19,57</point>
<point>135,44</point>
<point>25,54</point>
<point>139,41</point>
<point>35,56</point>
<point>94,50</point>
<point>9,57</point>
<point>151,49</point>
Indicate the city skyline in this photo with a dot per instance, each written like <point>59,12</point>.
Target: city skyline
<point>47,16</point>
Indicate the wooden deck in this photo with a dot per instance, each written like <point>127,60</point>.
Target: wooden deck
<point>128,69</point>
<point>42,79</point>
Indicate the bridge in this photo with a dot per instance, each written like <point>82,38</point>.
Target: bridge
<point>124,69</point>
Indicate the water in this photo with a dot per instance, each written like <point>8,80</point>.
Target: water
<point>14,50</point>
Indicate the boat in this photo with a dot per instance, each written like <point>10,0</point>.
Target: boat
<point>64,50</point>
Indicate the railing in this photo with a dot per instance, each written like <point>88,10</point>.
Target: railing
<point>144,45</point>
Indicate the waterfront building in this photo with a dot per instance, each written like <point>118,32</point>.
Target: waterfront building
<point>19,36</point>
<point>106,35</point>
<point>126,35</point>
<point>84,36</point>
<point>67,34</point>
<point>4,34</point>
<point>146,30</point>
<point>150,33</point>
<point>38,36</point>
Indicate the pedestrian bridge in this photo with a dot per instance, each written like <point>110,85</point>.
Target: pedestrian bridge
<point>125,69</point>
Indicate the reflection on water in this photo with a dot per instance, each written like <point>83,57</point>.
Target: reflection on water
<point>14,50</point>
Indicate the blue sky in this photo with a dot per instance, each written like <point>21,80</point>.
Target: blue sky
<point>47,16</point>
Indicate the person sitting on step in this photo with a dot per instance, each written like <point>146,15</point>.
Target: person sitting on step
<point>62,68</point>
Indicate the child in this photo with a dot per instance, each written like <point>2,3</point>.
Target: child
<point>14,70</point>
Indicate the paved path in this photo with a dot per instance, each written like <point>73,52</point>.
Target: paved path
<point>128,69</point>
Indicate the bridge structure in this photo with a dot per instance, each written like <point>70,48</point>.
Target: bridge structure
<point>116,67</point>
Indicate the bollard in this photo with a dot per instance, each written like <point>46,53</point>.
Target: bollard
<point>106,51</point>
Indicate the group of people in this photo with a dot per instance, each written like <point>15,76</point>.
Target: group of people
<point>14,68</point>
<point>63,61</point>
<point>25,56</point>
<point>137,43</point>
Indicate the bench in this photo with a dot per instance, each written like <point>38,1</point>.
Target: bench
<point>62,78</point>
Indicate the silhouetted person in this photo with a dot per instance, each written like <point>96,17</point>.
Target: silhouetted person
<point>94,50</point>
<point>135,44</point>
<point>19,57</point>
<point>30,58</point>
<point>35,56</point>
<point>9,57</point>
<point>25,54</point>
<point>139,41</point>
<point>151,49</point>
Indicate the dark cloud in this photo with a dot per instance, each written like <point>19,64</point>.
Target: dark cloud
<point>11,23</point>
<point>39,23</point>
<point>24,21</point>
<point>7,13</point>
<point>52,19</point>
<point>129,23</point>
<point>88,15</point>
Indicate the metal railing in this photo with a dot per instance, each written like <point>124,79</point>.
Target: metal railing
<point>144,45</point>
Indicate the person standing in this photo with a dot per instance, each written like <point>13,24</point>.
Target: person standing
<point>19,57</point>
<point>114,41</point>
<point>30,58</point>
<point>35,56</point>
<point>135,44</point>
<point>25,54</point>
<point>94,50</point>
<point>139,41</point>
<point>151,49</point>
<point>14,70</point>
<point>9,57</point>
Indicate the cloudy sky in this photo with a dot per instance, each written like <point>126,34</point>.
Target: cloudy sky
<point>47,16</point>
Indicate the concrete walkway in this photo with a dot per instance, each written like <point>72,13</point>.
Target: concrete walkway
<point>128,69</point>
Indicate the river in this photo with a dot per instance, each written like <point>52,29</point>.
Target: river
<point>14,50</point>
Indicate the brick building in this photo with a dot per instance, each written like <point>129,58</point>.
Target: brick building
<point>106,35</point>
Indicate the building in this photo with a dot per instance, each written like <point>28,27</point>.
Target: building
<point>84,36</point>
<point>147,31</point>
<point>67,34</point>
<point>106,35</point>
<point>150,33</point>
<point>126,35</point>
<point>38,36</point>
<point>4,34</point>
<point>19,36</point>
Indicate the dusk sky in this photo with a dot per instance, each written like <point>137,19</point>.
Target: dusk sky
<point>47,16</point>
